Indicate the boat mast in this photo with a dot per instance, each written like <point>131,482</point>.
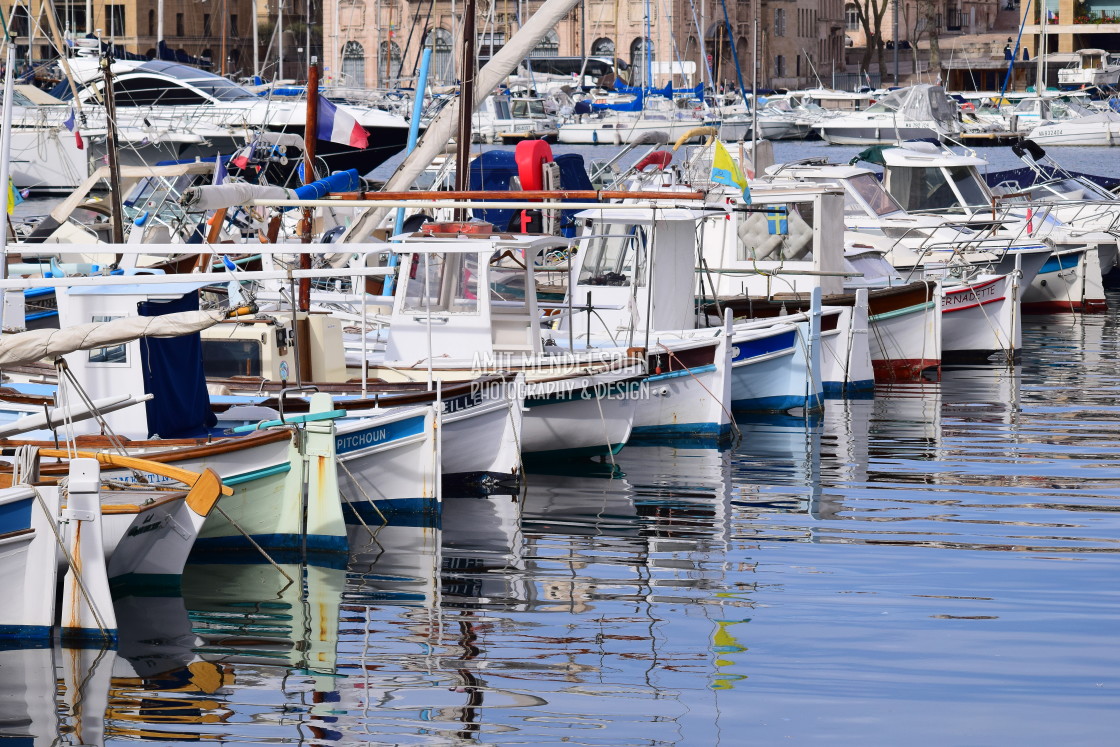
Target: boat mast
<point>256,40</point>
<point>466,100</point>
<point>6,159</point>
<point>159,28</point>
<point>1040,52</point>
<point>111,147</point>
<point>754,88</point>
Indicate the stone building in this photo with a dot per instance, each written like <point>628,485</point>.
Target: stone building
<point>378,43</point>
<point>215,33</point>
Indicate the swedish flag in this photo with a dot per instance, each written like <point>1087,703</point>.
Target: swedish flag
<point>777,221</point>
<point>725,171</point>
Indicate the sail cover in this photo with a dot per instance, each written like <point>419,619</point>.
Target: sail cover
<point>26,347</point>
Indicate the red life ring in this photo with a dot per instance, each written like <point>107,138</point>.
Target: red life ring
<point>530,155</point>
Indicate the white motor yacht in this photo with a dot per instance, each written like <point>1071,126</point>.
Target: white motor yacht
<point>914,113</point>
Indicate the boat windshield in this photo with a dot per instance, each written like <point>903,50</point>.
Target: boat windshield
<point>442,283</point>
<point>871,192</point>
<point>220,88</point>
<point>524,108</point>
<point>609,259</point>
<point>1069,189</point>
<point>873,266</point>
<point>930,188</point>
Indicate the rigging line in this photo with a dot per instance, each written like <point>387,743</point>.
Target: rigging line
<point>424,31</point>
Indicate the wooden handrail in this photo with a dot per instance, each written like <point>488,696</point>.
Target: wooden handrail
<point>540,194</point>
<point>178,474</point>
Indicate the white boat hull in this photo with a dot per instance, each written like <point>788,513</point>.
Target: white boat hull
<point>389,465</point>
<point>981,319</point>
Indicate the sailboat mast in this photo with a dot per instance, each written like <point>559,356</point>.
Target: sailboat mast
<point>754,87</point>
<point>111,147</point>
<point>256,41</point>
<point>6,158</point>
<point>466,99</point>
<point>1040,53</point>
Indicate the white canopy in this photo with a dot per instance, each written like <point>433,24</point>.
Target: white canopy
<point>215,196</point>
<point>26,347</point>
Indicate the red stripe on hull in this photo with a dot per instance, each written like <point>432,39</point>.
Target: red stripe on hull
<point>1092,306</point>
<point>906,369</point>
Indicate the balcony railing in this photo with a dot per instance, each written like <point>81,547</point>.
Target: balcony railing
<point>1098,16</point>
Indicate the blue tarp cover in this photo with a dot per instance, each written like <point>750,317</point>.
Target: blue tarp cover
<point>173,375</point>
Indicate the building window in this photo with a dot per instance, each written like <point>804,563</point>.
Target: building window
<point>180,29</point>
<point>549,46</point>
<point>20,21</point>
<point>389,63</point>
<point>115,16</point>
<point>602,47</point>
<point>443,63</point>
<point>207,27</point>
<point>851,17</point>
<point>354,65</point>
<point>233,25</point>
<point>151,23</point>
<point>780,66</point>
<point>779,22</point>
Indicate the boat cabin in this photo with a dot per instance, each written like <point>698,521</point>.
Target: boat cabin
<point>170,368</point>
<point>635,269</point>
<point>924,178</point>
<point>467,295</point>
<point>790,238</point>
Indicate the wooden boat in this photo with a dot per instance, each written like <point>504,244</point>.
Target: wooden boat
<point>901,323</point>
<point>91,536</point>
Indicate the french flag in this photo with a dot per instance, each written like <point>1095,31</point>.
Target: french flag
<point>337,126</point>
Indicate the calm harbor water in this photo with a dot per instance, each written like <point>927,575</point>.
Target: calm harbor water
<point>937,565</point>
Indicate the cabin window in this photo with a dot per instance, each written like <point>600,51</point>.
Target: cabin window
<point>968,185</point>
<point>524,108</point>
<point>872,192</point>
<point>501,108</point>
<point>777,232</point>
<point>610,258</point>
<point>144,91</point>
<point>923,189</point>
<point>111,354</point>
<point>226,358</point>
<point>442,283</point>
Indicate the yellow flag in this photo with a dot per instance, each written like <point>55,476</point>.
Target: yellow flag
<point>14,197</point>
<point>726,171</point>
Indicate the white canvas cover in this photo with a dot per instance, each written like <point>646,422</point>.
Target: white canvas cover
<point>26,347</point>
<point>215,196</point>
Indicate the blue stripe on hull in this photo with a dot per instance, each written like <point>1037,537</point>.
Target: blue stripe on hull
<point>1063,262</point>
<point>837,389</point>
<point>315,543</point>
<point>681,429</point>
<point>777,403</point>
<point>400,512</point>
<point>92,636</point>
<point>748,349</point>
<point>41,634</point>
<point>376,435</point>
<point>582,452</point>
<point>15,516</point>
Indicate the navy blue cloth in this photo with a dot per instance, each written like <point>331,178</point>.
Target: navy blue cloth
<point>173,375</point>
<point>493,170</point>
<point>573,175</point>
